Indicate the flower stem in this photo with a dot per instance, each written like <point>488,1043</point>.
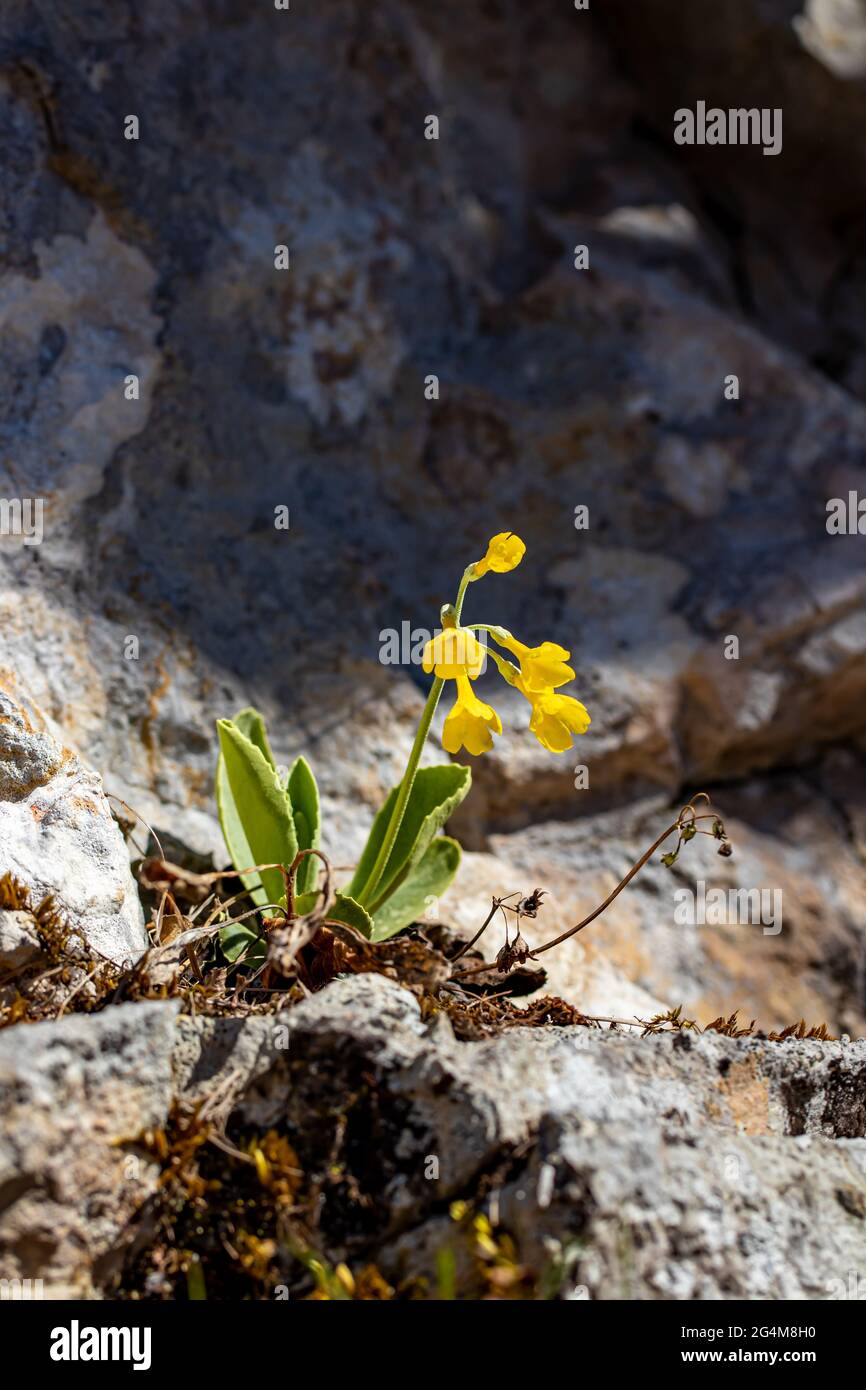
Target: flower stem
<point>404,792</point>
<point>367,893</point>
<point>458,605</point>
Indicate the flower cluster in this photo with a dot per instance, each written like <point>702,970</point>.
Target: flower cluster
<point>456,654</point>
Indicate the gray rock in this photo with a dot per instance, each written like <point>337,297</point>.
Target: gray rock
<point>70,1093</point>
<point>163,597</point>
<point>57,834</point>
<point>18,941</point>
<point>678,1166</point>
<point>675,1167</point>
<point>834,32</point>
<point>305,388</point>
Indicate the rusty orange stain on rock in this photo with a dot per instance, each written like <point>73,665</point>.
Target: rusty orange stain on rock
<point>148,723</point>
<point>198,784</point>
<point>748,1097</point>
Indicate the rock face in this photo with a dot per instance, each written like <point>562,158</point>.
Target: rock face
<point>167,388</point>
<point>18,943</point>
<point>57,836</point>
<point>666,1167</point>
<point>71,1090</point>
<point>433,368</point>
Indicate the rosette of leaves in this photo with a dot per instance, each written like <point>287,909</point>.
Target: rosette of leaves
<point>267,817</point>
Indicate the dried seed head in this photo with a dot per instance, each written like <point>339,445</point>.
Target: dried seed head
<point>519,949</point>
<point>528,907</point>
<point>504,959</point>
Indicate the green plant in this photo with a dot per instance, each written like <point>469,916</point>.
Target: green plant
<point>272,824</point>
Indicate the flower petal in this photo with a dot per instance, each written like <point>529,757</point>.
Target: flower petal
<point>452,653</point>
<point>541,668</point>
<point>470,723</point>
<point>504,553</point>
<point>556,719</point>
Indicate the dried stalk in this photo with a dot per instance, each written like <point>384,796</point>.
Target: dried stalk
<point>686,827</point>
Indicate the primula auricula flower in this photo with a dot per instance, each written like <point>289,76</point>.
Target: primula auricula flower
<point>541,668</point>
<point>504,553</point>
<point>453,653</point>
<point>556,719</point>
<point>456,654</point>
<point>469,723</point>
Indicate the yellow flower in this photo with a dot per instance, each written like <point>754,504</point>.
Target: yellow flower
<point>541,668</point>
<point>504,553</point>
<point>452,653</point>
<point>469,723</point>
<point>555,718</point>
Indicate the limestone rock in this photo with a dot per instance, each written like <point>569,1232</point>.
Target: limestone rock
<point>71,1092</point>
<point>18,942</point>
<point>834,32</point>
<point>305,388</point>
<point>558,388</point>
<point>57,834</point>
<point>678,1166</point>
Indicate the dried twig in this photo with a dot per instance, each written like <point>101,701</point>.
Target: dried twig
<point>685,826</point>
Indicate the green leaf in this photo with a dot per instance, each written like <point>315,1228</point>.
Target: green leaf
<point>429,879</point>
<point>436,793</point>
<point>304,796</point>
<point>345,909</point>
<point>307,867</point>
<point>252,726</point>
<point>255,813</point>
<point>240,939</point>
